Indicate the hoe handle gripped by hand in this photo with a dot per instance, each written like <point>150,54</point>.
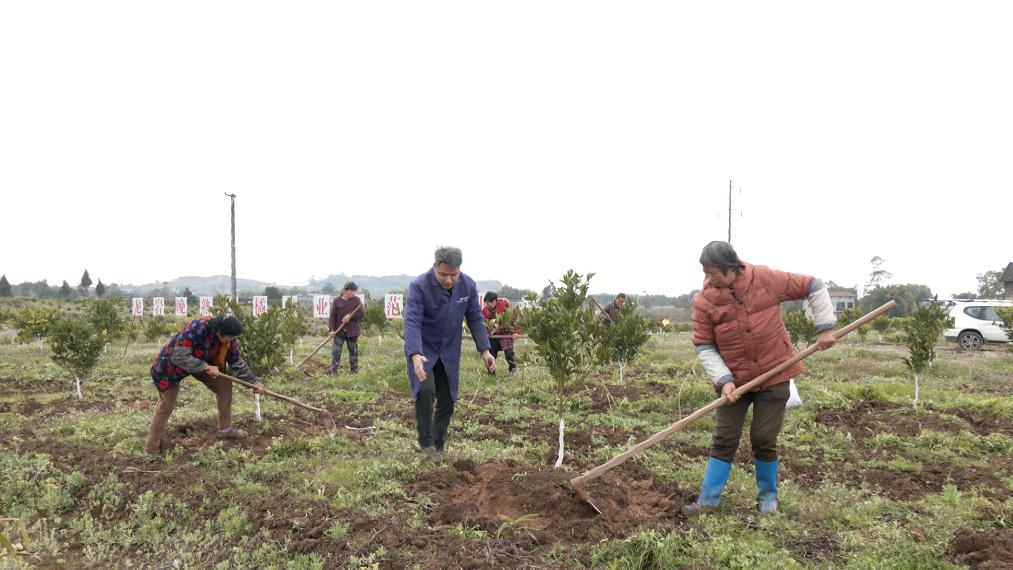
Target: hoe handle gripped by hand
<point>582,479</point>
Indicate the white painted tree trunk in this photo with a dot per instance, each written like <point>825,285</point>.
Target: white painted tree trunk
<point>380,339</point>
<point>291,355</point>
<point>916,391</point>
<point>256,407</point>
<point>559,460</point>
<point>622,369</point>
<point>77,380</point>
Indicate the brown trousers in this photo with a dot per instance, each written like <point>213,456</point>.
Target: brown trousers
<point>222,389</point>
<point>768,417</point>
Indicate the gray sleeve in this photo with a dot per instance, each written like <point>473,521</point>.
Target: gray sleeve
<point>822,308</point>
<point>714,364</point>
<point>241,370</point>
<point>183,357</point>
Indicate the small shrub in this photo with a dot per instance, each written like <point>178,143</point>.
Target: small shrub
<point>76,346</point>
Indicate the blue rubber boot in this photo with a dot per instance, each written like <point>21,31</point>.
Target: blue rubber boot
<point>714,480</point>
<point>766,482</point>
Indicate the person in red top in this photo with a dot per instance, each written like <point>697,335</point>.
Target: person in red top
<point>739,334</point>
<point>347,310</point>
<point>495,309</point>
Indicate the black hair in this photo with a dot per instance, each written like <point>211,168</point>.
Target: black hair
<point>720,254</point>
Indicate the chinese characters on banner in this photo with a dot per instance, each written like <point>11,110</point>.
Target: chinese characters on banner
<point>393,306</point>
<point>259,305</point>
<point>321,306</point>
<point>180,306</point>
<point>158,306</point>
<point>205,305</point>
<point>137,307</point>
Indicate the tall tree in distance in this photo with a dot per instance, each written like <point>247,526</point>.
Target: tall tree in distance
<point>65,291</point>
<point>5,287</point>
<point>878,275</point>
<point>85,283</point>
<point>100,289</point>
<point>989,286</point>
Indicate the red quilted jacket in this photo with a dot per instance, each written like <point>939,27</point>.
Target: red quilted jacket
<point>745,324</point>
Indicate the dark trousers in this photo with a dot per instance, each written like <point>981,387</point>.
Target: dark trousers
<point>432,427</point>
<point>768,417</point>
<point>353,352</point>
<point>494,349</point>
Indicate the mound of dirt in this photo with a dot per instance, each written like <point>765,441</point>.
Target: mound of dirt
<point>537,504</point>
<point>991,550</point>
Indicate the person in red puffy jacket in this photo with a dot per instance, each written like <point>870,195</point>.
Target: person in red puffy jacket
<point>739,334</point>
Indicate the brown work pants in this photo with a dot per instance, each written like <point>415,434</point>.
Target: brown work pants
<point>222,389</point>
<point>768,417</point>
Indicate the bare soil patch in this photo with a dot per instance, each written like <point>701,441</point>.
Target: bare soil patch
<point>983,550</point>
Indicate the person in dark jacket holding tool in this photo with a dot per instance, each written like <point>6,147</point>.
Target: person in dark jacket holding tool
<point>739,335</point>
<point>611,311</point>
<point>347,310</point>
<point>201,349</point>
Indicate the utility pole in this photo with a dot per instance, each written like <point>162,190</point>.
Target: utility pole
<point>729,221</point>
<point>235,297</point>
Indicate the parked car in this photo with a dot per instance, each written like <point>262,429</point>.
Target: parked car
<point>976,323</point>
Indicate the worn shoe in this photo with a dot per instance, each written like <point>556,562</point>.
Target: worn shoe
<point>232,433</point>
<point>432,453</point>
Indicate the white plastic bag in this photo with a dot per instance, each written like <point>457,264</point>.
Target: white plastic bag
<point>794,400</point>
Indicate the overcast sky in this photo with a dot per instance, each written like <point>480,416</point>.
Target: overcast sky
<point>537,136</point>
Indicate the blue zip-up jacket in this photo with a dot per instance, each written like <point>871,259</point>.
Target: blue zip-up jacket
<point>432,326</point>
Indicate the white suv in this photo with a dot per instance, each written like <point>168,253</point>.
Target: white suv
<point>976,322</point>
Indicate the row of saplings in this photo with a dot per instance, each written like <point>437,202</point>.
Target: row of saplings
<point>571,338</point>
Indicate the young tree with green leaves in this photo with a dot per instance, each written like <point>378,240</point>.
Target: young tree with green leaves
<point>569,340</point>
<point>104,316</point>
<point>882,325</point>
<point>293,327</point>
<point>851,315</point>
<point>76,346</point>
<point>800,328</point>
<point>33,322</point>
<point>1006,322</point>
<point>627,336</point>
<point>921,332</point>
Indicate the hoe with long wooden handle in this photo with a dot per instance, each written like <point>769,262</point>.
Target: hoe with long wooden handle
<point>579,483</point>
<point>323,415</point>
<point>329,337</point>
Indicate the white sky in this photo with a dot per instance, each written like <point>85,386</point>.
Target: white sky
<point>536,136</point>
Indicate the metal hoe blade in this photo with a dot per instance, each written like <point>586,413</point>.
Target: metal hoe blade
<point>582,493</point>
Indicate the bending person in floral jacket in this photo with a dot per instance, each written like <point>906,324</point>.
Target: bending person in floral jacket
<point>201,349</point>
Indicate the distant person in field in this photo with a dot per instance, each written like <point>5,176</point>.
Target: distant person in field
<point>495,309</point>
<point>438,302</point>
<point>739,335</point>
<point>202,350</point>
<point>612,309</point>
<point>346,309</point>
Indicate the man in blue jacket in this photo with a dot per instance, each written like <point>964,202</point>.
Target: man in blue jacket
<point>438,301</point>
